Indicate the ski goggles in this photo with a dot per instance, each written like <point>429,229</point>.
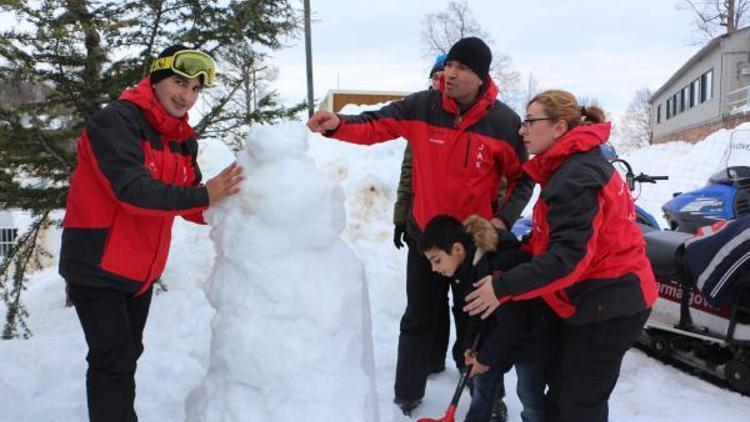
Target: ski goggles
<point>189,64</point>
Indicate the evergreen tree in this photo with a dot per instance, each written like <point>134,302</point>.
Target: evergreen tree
<point>81,54</point>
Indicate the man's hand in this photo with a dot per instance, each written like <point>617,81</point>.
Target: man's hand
<point>399,236</point>
<point>482,300</point>
<point>323,121</point>
<point>224,184</point>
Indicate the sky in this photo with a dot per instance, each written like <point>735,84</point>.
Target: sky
<point>605,50</point>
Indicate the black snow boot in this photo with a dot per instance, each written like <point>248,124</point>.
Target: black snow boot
<point>499,411</point>
<point>407,406</point>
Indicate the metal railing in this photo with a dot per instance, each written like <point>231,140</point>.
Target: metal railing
<point>738,101</point>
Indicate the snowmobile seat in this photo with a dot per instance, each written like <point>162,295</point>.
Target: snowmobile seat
<point>661,248</point>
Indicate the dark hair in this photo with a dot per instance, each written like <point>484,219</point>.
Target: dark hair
<point>562,105</point>
<point>441,233</point>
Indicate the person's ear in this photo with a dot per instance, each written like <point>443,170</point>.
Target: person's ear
<point>457,248</point>
<point>560,127</point>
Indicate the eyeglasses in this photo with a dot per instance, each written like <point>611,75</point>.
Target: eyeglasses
<point>190,64</point>
<point>527,122</point>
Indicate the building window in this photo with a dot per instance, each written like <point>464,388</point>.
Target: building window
<point>7,240</point>
<point>674,105</point>
<point>658,114</point>
<point>685,98</point>
<point>707,86</point>
<point>669,108</point>
<point>694,92</point>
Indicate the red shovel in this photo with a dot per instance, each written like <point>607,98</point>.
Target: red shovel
<point>448,417</point>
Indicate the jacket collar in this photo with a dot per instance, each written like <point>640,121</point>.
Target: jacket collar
<point>143,96</point>
<point>580,139</point>
<point>463,272</point>
<point>478,110</point>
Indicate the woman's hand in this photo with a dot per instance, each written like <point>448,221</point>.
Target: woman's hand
<point>482,300</point>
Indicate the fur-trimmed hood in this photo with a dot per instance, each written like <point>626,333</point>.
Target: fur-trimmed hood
<point>483,233</point>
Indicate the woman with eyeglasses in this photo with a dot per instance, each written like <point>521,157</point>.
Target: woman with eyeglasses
<point>589,261</point>
<point>136,172</point>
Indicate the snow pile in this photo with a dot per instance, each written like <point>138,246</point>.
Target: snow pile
<point>291,339</point>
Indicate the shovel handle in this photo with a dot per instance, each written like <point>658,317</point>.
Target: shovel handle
<point>464,377</point>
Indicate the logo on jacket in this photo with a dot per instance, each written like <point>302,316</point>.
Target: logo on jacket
<point>480,156</point>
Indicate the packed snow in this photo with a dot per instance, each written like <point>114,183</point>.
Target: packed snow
<point>292,333</point>
<point>218,337</point>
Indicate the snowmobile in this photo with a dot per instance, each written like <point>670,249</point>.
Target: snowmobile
<point>725,196</point>
<point>685,324</point>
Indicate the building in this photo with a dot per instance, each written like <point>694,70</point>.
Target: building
<point>336,99</point>
<point>8,233</point>
<point>709,92</point>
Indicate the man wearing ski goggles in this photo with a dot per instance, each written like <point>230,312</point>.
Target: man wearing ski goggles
<point>137,171</point>
<point>190,64</point>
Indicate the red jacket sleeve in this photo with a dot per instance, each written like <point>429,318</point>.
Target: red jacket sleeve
<point>113,142</point>
<point>371,127</point>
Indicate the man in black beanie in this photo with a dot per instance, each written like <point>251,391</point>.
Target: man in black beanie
<point>464,142</point>
<point>467,68</point>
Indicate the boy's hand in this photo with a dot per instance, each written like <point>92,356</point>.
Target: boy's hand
<point>470,357</point>
<point>323,121</point>
<point>478,369</point>
<point>482,300</point>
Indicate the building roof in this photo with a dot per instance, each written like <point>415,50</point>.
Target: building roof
<point>708,48</point>
<point>365,92</point>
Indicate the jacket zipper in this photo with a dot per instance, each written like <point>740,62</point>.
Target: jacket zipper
<point>468,148</point>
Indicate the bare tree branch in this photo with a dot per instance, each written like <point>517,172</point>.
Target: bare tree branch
<point>714,17</point>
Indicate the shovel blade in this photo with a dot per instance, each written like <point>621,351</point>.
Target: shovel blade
<point>448,417</point>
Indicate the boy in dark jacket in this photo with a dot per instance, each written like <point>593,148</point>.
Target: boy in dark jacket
<point>522,333</point>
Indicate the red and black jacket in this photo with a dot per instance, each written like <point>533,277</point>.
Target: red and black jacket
<point>590,259</point>
<point>459,157</point>
<point>136,171</point>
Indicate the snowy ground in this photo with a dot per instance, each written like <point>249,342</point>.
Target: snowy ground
<point>43,378</point>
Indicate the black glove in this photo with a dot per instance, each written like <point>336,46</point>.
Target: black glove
<point>399,236</point>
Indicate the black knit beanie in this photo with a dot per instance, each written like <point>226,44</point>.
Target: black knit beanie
<point>161,74</point>
<point>472,53</point>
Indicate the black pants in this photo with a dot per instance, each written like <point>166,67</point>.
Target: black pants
<point>586,369</point>
<point>425,326</point>
<point>113,323</point>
